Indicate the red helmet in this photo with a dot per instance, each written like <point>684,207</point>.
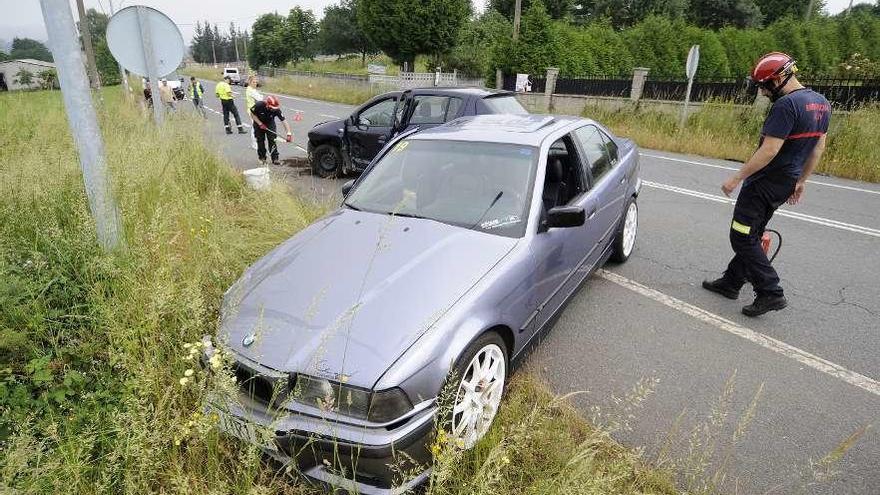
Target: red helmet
<point>272,102</point>
<point>774,64</point>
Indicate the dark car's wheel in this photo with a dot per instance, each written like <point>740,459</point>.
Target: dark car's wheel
<point>327,161</point>
<point>479,375</point>
<point>626,235</point>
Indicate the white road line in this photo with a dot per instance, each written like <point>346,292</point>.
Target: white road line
<point>329,116</point>
<point>789,351</point>
<point>712,165</point>
<point>859,229</point>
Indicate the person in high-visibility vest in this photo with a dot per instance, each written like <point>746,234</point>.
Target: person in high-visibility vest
<point>224,92</point>
<point>197,94</point>
<point>251,97</point>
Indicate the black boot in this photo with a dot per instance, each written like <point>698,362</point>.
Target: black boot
<point>721,286</point>
<point>241,130</point>
<point>228,131</point>
<point>276,161</point>
<point>764,304</point>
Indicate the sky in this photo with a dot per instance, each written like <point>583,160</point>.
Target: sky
<point>23,18</point>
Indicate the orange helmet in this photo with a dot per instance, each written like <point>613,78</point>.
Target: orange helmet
<point>773,64</point>
<point>272,102</point>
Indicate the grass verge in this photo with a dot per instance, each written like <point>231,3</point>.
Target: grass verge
<point>94,388</point>
<point>723,130</point>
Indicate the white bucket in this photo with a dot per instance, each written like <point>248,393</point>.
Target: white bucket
<point>257,178</point>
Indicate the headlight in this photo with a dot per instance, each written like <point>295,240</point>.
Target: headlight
<point>355,402</point>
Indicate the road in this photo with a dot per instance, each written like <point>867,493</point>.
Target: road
<point>816,364</point>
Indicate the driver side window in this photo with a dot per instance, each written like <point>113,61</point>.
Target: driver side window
<point>564,179</point>
<point>378,115</point>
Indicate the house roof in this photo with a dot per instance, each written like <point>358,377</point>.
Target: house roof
<point>30,61</point>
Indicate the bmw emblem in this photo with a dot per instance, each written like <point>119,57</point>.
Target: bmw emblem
<point>248,340</point>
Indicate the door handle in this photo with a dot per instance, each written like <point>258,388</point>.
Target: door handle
<point>622,180</point>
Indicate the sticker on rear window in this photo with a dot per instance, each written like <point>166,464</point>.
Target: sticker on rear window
<point>400,146</point>
<point>497,223</point>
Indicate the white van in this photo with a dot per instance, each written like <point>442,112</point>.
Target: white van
<point>233,74</point>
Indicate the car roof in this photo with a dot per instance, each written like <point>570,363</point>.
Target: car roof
<point>528,130</point>
<point>460,91</point>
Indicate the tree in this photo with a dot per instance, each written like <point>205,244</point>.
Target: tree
<point>108,68</point>
<point>404,29</point>
<point>339,32</point>
<point>719,13</point>
<point>535,50</point>
<point>775,10</point>
<point>28,48</point>
<point>3,56</point>
<point>625,13</point>
<point>48,79</point>
<point>558,9</point>
<point>268,45</point>
<point>24,77</point>
<point>477,40</point>
<point>301,33</point>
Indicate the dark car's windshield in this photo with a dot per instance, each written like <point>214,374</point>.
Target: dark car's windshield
<point>479,186</point>
<point>504,104</point>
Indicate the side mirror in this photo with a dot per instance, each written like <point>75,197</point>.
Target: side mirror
<point>347,187</point>
<point>562,217</point>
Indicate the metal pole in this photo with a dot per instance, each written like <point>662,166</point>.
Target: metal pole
<point>87,45</point>
<point>152,75</point>
<point>687,100</point>
<point>82,118</point>
<point>235,42</point>
<point>122,74</point>
<point>516,15</point>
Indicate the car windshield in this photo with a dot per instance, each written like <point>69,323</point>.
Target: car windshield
<point>478,186</point>
<point>504,104</point>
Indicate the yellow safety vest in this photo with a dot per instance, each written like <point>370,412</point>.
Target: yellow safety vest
<point>195,90</point>
<point>251,95</point>
<point>223,91</point>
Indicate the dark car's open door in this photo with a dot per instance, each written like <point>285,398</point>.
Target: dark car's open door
<point>367,131</point>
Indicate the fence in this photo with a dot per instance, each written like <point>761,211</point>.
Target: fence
<point>842,93</point>
<point>404,80</point>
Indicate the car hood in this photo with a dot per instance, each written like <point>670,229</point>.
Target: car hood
<point>328,128</point>
<point>344,298</point>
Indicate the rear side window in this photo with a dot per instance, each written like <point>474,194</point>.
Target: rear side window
<point>434,109</point>
<point>504,104</point>
<point>595,147</point>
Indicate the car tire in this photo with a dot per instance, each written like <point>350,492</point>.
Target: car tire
<point>478,390</point>
<point>326,161</point>
<point>625,241</point>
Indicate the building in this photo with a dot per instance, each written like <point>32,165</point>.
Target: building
<point>9,69</point>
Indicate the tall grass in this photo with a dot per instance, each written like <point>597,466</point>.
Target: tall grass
<point>96,392</point>
<point>724,130</point>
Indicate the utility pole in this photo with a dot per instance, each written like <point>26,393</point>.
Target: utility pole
<point>82,119</point>
<point>213,51</point>
<point>517,11</point>
<point>245,44</point>
<point>122,75</point>
<point>809,11</point>
<point>235,42</point>
<point>87,45</point>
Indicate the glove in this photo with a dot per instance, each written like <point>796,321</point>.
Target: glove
<point>289,137</point>
<point>263,127</point>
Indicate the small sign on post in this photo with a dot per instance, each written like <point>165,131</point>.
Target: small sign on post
<point>522,83</point>
<point>690,69</point>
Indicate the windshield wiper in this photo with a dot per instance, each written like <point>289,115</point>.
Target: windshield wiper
<point>500,193</point>
<point>408,215</point>
<point>355,208</point>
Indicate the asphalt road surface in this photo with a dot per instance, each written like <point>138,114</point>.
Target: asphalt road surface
<point>814,367</point>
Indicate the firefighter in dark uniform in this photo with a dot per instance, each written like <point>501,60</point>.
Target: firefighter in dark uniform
<point>264,113</point>
<point>791,145</point>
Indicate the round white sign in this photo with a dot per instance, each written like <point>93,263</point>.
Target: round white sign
<point>124,38</point>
